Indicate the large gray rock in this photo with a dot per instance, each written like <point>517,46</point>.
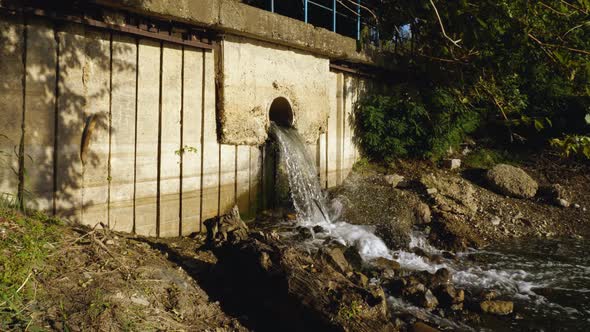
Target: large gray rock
<point>451,194</point>
<point>511,181</point>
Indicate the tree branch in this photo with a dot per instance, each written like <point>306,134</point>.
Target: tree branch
<point>442,27</point>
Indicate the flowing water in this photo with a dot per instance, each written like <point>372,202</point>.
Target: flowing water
<point>548,280</point>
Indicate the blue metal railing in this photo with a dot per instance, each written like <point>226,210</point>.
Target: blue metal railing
<point>335,14</point>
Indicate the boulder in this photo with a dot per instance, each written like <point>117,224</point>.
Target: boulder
<point>497,307</point>
<point>353,258</point>
<point>451,194</point>
<point>511,181</point>
<point>421,327</point>
<point>385,264</point>
<point>393,179</point>
<point>304,233</point>
<point>423,214</point>
<point>229,228</point>
<point>447,295</point>
<point>557,195</point>
<point>335,258</point>
<point>452,164</point>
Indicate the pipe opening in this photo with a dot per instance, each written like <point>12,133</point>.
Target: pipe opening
<point>280,112</point>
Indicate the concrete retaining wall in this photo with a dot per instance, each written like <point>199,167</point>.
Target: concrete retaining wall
<point>123,130</point>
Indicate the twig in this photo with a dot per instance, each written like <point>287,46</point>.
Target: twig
<point>25,282</point>
<point>574,28</point>
<point>553,9</point>
<point>575,50</point>
<point>442,27</point>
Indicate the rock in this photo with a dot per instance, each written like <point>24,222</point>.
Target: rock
<point>423,214</point>
<point>291,216</point>
<point>353,258</point>
<point>227,228</point>
<point>360,279</point>
<point>391,234</point>
<point>393,179</point>
<point>452,194</point>
<point>383,264</point>
<point>497,307</point>
<point>109,242</point>
<point>421,296</point>
<point>304,233</point>
<point>577,206</point>
<point>447,295</point>
<point>431,191</point>
<point>511,181</point>
<point>496,220</point>
<point>335,258</point>
<point>421,327</point>
<point>452,164</point>
<point>430,301</point>
<point>556,194</point>
<point>441,277</point>
<point>318,229</point>
<point>140,300</point>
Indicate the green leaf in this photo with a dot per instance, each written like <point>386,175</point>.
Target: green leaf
<point>587,118</point>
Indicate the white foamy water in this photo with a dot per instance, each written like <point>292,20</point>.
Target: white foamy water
<point>508,274</point>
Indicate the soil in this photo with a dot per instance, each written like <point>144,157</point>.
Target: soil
<point>466,212</point>
<point>94,279</point>
<point>97,280</point>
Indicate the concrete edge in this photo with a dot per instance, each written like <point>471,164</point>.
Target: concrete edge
<point>233,17</point>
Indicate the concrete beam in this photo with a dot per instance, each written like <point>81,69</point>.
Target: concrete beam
<point>233,17</point>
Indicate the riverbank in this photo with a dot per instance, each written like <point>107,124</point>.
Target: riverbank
<point>459,208</point>
<point>277,273</point>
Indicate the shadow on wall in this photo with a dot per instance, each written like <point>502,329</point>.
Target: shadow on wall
<point>54,99</point>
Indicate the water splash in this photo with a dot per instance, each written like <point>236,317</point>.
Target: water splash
<point>509,274</point>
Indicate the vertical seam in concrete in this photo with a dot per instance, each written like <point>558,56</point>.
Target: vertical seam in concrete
<point>343,158</point>
<point>133,230</point>
<point>56,118</point>
<point>327,162</point>
<point>181,142</point>
<point>236,175</point>
<point>202,143</point>
<point>219,181</point>
<point>110,117</point>
<point>158,199</point>
<point>262,178</point>
<point>249,180</point>
<point>21,146</point>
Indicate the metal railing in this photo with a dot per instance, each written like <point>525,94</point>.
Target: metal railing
<point>347,16</point>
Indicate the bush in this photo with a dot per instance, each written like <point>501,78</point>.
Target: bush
<point>573,145</point>
<point>409,123</point>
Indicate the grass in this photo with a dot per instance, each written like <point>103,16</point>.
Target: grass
<point>488,158</point>
<point>25,242</point>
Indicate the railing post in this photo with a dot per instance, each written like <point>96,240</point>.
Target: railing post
<point>334,15</point>
<point>358,21</point>
<point>305,10</point>
<point>272,6</point>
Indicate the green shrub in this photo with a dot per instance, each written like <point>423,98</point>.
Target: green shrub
<point>408,123</point>
<point>487,158</point>
<point>573,145</point>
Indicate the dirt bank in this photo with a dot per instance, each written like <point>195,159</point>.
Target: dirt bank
<point>461,208</point>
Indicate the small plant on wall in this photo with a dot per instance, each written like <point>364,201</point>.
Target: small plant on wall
<point>185,149</point>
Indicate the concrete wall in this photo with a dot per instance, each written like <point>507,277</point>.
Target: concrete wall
<point>335,150</point>
<point>117,129</point>
<point>254,74</point>
<point>124,131</point>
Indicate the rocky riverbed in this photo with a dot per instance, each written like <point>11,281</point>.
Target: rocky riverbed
<point>415,247</point>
